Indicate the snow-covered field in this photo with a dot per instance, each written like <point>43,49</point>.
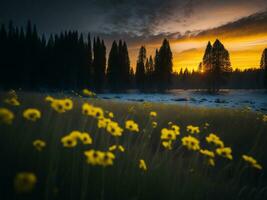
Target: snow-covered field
<point>254,99</point>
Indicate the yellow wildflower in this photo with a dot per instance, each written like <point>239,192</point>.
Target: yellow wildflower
<point>114,129</point>
<point>69,141</point>
<point>68,104</point>
<point>103,122</point>
<point>32,114</point>
<point>131,126</point>
<point>167,134</point>
<point>153,114</point>
<point>97,112</point>
<point>111,114</point>
<point>214,139</point>
<point>107,159</point>
<point>191,143</point>
<point>6,116</point>
<point>176,129</point>
<point>49,99</point>
<point>264,118</point>
<point>142,165</point>
<point>167,144</point>
<point>89,93</point>
<point>75,135</point>
<point>86,138</point>
<point>58,105</point>
<point>154,124</point>
<point>25,182</point>
<point>12,101</point>
<point>114,147</point>
<point>39,144</point>
<point>207,153</point>
<point>93,157</point>
<point>252,161</point>
<point>225,152</point>
<point>87,109</point>
<point>211,162</point>
<point>192,129</point>
<point>169,123</point>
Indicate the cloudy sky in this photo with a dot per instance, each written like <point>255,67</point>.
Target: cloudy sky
<point>148,22</point>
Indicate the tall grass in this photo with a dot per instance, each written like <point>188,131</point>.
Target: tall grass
<point>172,174</point>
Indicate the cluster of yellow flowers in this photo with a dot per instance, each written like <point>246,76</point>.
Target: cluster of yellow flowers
<point>191,143</point>
<point>252,161</point>
<point>32,114</point>
<point>60,105</point>
<point>95,157</point>
<point>214,139</point>
<point>39,144</point>
<point>71,140</point>
<point>192,129</point>
<point>25,182</point>
<point>93,111</point>
<point>6,116</point>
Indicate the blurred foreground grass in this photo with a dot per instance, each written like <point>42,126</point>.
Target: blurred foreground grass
<point>63,173</point>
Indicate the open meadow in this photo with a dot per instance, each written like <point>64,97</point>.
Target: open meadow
<point>76,147</point>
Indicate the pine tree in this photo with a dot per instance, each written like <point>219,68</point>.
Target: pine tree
<point>163,66</point>
<point>140,69</point>
<point>113,67</point>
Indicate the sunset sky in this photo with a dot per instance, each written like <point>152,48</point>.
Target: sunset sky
<point>188,24</point>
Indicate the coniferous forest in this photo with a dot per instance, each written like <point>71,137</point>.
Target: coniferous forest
<point>71,60</point>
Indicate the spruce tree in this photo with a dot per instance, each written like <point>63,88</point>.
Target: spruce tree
<point>140,69</point>
<point>263,66</point>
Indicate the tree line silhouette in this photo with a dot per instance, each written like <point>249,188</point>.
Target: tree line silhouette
<point>70,61</point>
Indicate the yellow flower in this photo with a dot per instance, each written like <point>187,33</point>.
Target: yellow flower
<point>86,138</point>
<point>39,144</point>
<point>49,99</point>
<point>6,116</point>
<point>131,126</point>
<point>32,114</point>
<point>176,129</point>
<point>191,143</point>
<point>25,182</point>
<point>214,139</point>
<point>167,134</point>
<point>154,124</point>
<point>153,114</point>
<point>75,135</point>
<point>68,104</point>
<point>264,118</point>
<point>142,165</point>
<point>60,105</point>
<point>167,144</point>
<point>89,93</point>
<point>107,159</point>
<point>225,152</point>
<point>110,114</point>
<point>103,122</point>
<point>114,129</point>
<point>97,112</point>
<point>87,109</point>
<point>207,153</point>
<point>169,123</point>
<point>252,161</point>
<point>93,157</point>
<point>69,141</point>
<point>192,129</point>
<point>114,147</point>
<point>211,162</point>
<point>12,101</point>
